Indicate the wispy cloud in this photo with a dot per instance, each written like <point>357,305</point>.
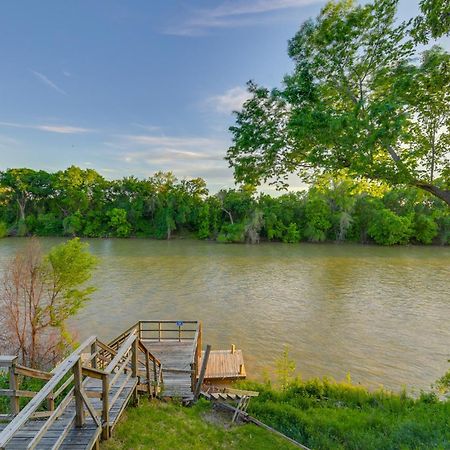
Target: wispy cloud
<point>61,129</point>
<point>231,100</point>
<point>234,14</point>
<point>150,128</point>
<point>188,156</point>
<point>44,79</point>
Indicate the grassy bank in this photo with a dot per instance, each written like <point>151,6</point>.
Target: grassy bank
<point>324,414</point>
<point>321,414</point>
<point>160,425</point>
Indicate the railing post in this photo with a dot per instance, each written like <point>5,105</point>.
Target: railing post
<point>93,351</point>
<point>201,376</point>
<point>13,385</point>
<point>134,358</point>
<point>156,378</point>
<point>51,402</point>
<point>147,373</point>
<point>160,331</point>
<point>78,386</point>
<point>105,408</point>
<point>134,366</point>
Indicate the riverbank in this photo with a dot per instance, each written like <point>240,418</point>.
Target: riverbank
<point>320,414</point>
<point>168,426</point>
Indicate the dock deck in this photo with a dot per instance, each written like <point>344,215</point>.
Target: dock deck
<point>225,365</point>
<point>176,359</point>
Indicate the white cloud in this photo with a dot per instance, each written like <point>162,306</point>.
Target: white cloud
<point>48,82</point>
<point>234,14</point>
<point>229,101</point>
<point>60,129</point>
<point>189,156</point>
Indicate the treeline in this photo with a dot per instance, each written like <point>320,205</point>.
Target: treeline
<point>77,202</point>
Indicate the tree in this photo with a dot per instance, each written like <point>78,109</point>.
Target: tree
<point>434,21</point>
<point>39,293</point>
<point>347,105</point>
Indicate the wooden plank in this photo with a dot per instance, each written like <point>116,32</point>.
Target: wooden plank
<point>33,373</point>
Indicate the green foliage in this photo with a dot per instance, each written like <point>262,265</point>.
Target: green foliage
<point>434,21</point>
<point>78,202</point>
<point>177,427</point>
<point>353,102</point>
<point>292,234</point>
<point>387,228</point>
<point>318,214</point>
<point>232,233</point>
<point>118,222</point>
<point>285,368</point>
<point>443,383</point>
<point>338,415</point>
<point>425,228</point>
<point>3,229</point>
<point>65,268</point>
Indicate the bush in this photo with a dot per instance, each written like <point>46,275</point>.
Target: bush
<point>425,228</point>
<point>3,230</point>
<point>387,228</point>
<point>232,233</point>
<point>325,414</point>
<point>292,234</point>
<point>118,222</point>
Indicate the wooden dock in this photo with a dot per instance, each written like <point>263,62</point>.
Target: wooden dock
<point>225,365</point>
<point>84,396</point>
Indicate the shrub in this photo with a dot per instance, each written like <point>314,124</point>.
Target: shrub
<point>232,233</point>
<point>387,228</point>
<point>425,228</point>
<point>3,230</point>
<point>291,234</point>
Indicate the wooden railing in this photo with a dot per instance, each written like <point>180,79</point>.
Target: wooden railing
<point>53,388</point>
<point>168,330</point>
<point>114,367</point>
<point>113,364</point>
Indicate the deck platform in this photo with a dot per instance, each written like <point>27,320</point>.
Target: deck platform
<point>225,364</point>
<point>176,358</point>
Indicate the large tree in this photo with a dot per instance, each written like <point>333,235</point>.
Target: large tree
<point>354,101</point>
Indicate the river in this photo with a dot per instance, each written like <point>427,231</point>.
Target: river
<point>380,314</point>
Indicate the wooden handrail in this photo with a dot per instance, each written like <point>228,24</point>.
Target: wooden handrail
<point>58,374</point>
<point>144,349</point>
<point>124,348</point>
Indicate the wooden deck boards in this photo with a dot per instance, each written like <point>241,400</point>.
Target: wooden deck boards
<point>77,438</point>
<point>225,364</point>
<point>178,356</point>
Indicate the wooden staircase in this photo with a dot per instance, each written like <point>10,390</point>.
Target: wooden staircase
<point>85,395</point>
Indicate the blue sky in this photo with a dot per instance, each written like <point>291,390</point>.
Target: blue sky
<point>138,86</point>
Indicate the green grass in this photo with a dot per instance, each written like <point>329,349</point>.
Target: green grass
<point>160,425</point>
<point>324,414</point>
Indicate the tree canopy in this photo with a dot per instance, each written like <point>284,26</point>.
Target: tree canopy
<point>356,100</point>
<point>79,202</point>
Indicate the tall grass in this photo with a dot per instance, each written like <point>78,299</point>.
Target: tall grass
<point>325,414</point>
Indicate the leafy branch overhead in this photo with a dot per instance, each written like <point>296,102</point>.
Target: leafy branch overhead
<point>358,99</point>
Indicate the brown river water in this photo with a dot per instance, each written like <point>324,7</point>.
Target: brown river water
<point>380,314</point>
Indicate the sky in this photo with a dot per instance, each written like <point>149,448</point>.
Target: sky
<point>131,88</point>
